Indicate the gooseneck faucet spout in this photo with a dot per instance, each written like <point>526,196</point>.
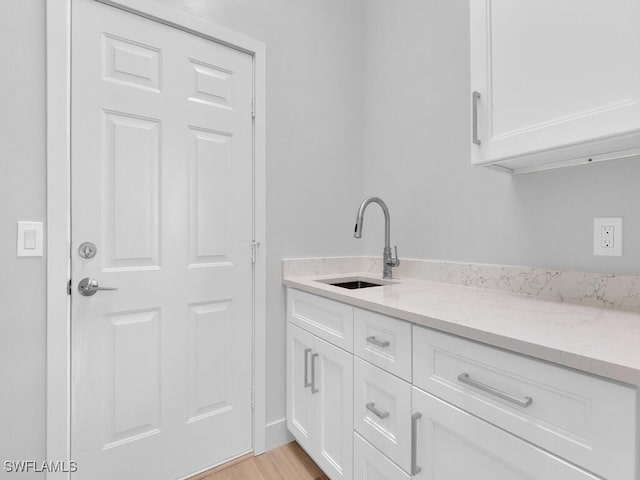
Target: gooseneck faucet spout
<point>388,260</point>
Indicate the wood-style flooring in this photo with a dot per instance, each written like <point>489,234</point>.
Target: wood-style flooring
<point>289,462</point>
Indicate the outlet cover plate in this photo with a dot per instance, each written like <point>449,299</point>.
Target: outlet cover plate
<point>611,227</point>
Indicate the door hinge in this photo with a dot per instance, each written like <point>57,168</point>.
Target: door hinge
<point>254,250</point>
<point>69,287</point>
<point>253,398</point>
<point>253,107</point>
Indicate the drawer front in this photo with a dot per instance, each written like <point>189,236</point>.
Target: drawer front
<point>332,321</point>
<point>383,341</point>
<point>370,464</point>
<point>587,420</point>
<point>382,411</point>
<point>451,444</point>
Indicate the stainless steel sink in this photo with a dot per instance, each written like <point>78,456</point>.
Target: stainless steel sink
<point>355,282</point>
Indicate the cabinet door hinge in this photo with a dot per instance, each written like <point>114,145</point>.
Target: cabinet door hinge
<point>254,250</point>
<point>253,107</point>
<point>69,287</point>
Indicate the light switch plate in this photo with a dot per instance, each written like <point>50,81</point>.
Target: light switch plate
<point>607,236</point>
<point>29,241</point>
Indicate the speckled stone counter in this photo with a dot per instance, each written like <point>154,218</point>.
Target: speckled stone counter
<point>596,339</point>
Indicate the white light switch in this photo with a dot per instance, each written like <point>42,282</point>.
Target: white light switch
<point>30,239</point>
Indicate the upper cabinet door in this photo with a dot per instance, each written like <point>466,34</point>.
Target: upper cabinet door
<point>557,82</point>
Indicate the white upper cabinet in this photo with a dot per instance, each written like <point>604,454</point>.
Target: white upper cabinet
<point>554,83</point>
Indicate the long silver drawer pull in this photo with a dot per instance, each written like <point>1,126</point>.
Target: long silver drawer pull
<point>476,97</point>
<point>313,373</point>
<point>307,383</point>
<point>415,469</point>
<point>522,402</point>
<point>378,343</point>
<point>371,406</point>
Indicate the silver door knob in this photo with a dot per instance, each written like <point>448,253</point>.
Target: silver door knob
<point>89,286</point>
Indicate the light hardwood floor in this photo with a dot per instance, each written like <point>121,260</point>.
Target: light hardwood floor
<point>289,462</point>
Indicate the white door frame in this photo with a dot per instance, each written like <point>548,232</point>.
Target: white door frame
<point>58,234</point>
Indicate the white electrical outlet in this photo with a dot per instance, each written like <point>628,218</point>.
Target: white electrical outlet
<point>607,236</point>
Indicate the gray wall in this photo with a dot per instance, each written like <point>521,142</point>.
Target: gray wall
<point>22,197</point>
<point>416,145</point>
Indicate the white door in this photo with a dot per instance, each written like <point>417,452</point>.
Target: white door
<point>162,185</point>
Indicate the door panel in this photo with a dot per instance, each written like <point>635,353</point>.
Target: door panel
<point>454,445</point>
<point>300,411</point>
<point>334,369</point>
<point>162,184</point>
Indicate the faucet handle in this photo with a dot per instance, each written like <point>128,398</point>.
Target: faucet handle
<point>395,261</point>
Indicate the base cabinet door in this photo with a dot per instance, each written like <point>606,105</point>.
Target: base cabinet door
<point>333,406</point>
<point>370,464</point>
<point>451,444</point>
<point>320,401</point>
<point>299,397</point>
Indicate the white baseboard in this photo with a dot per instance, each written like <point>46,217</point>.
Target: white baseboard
<point>277,434</point>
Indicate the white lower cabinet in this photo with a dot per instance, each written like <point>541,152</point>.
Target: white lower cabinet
<point>425,405</point>
<point>320,401</point>
<point>452,444</point>
<point>370,464</point>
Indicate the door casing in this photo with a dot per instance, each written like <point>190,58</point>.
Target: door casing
<point>58,230</point>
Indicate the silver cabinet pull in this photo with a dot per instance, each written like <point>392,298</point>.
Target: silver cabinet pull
<point>415,469</point>
<point>378,343</point>
<point>313,373</point>
<point>476,98</point>
<point>371,406</point>
<point>307,383</point>
<point>522,402</point>
<point>89,286</point>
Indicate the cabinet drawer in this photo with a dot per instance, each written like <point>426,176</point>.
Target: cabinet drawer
<point>329,320</point>
<point>382,411</point>
<point>370,464</point>
<point>587,420</point>
<point>383,341</point>
<point>451,444</point>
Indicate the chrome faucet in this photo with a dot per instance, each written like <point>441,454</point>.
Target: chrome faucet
<point>387,259</point>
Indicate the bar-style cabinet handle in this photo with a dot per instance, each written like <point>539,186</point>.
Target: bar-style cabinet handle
<point>313,373</point>
<point>521,402</point>
<point>307,383</point>
<point>371,406</point>
<point>475,99</point>
<point>415,469</point>
<point>378,343</point>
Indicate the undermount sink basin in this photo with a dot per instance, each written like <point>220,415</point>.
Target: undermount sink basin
<point>353,284</point>
<point>356,282</point>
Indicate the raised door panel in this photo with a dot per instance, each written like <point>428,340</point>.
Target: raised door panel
<point>454,445</point>
<point>370,464</point>
<point>333,400</point>
<point>300,411</point>
<point>553,74</point>
<point>382,411</point>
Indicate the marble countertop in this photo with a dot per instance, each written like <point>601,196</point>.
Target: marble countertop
<point>597,340</point>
